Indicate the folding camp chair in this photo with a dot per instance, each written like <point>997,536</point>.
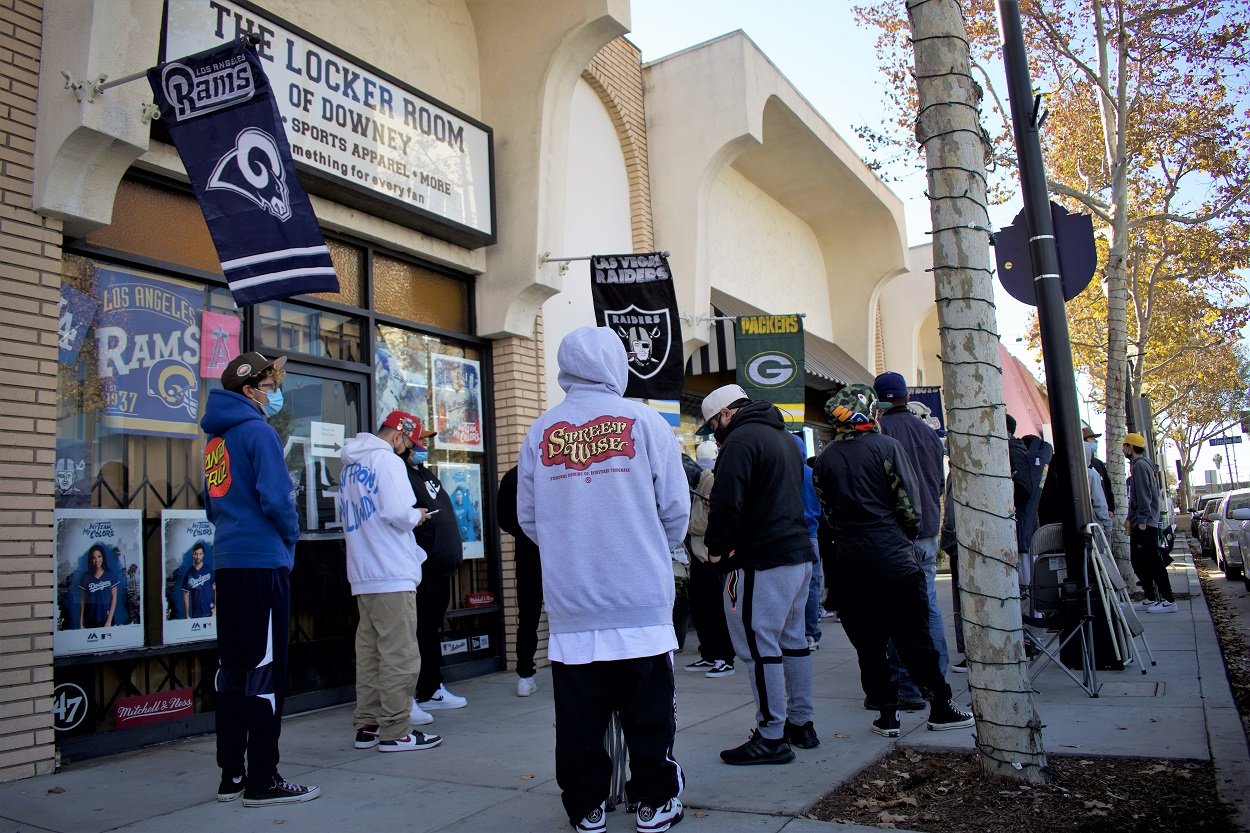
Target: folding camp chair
<point>614,740</point>
<point>1057,609</point>
<point>1126,627</point>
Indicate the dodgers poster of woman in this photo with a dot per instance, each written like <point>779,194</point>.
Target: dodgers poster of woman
<point>463,484</point>
<point>190,580</point>
<point>457,403</point>
<point>99,580</point>
<point>401,373</point>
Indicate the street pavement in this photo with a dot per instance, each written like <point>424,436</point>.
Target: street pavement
<point>496,772</point>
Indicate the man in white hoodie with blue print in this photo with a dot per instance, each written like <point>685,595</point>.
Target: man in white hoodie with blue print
<point>376,505</point>
<point>601,490</point>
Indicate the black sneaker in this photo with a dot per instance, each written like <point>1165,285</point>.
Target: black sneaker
<point>960,667</point>
<point>366,737</point>
<point>759,750</point>
<point>903,705</point>
<point>699,665</point>
<point>946,715</point>
<point>281,792</point>
<point>720,668</point>
<point>886,725</point>
<point>804,737</point>
<point>230,788</point>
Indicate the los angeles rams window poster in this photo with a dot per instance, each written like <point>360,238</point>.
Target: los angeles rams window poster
<point>190,576</point>
<point>463,484</point>
<point>99,580</point>
<point>457,403</point>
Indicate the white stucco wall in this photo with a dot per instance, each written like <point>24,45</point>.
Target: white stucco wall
<point>596,220</point>
<point>909,320</point>
<point>761,253</point>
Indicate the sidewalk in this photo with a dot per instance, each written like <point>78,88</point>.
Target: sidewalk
<point>495,770</point>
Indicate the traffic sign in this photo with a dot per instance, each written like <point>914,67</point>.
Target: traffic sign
<point>1233,440</point>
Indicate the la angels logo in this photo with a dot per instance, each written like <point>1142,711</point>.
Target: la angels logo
<point>217,467</point>
<point>579,447</point>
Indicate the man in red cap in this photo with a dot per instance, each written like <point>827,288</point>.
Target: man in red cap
<point>376,506</point>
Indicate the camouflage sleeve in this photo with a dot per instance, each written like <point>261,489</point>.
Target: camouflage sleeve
<point>902,482</point>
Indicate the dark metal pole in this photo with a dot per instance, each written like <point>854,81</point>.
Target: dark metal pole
<point>1051,316</point>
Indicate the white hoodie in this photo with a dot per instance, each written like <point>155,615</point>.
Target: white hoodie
<point>376,507</point>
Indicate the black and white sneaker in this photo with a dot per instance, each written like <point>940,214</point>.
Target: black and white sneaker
<point>230,788</point>
<point>657,819</point>
<point>699,665</point>
<point>281,791</point>
<point>720,668</point>
<point>960,667</point>
<point>410,742</point>
<point>366,737</point>
<point>596,821</point>
<point>945,715</point>
<point>886,725</point>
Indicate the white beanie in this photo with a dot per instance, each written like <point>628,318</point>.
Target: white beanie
<point>705,454</point>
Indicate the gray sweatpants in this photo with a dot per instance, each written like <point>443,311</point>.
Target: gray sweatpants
<point>764,611</point>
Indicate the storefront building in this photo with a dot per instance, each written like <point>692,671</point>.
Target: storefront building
<point>514,133</point>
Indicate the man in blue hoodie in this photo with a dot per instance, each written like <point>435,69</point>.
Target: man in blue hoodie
<point>601,490</point>
<point>248,497</point>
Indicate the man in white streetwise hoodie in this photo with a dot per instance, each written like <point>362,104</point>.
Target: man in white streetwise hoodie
<point>376,505</point>
<point>601,490</point>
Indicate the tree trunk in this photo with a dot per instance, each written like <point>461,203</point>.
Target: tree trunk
<point>1008,730</point>
<point>1117,381</point>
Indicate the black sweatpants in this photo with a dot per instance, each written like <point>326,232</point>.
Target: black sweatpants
<point>529,600</point>
<point>891,610</point>
<point>253,624</point>
<point>433,599</point>
<point>643,691</point>
<point>1148,564</point>
<point>707,610</point>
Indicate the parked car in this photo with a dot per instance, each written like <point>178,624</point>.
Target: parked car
<point>1231,530</point>
<point>1204,509</point>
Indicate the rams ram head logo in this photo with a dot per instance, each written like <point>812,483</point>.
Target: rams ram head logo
<point>172,382</point>
<point>254,171</point>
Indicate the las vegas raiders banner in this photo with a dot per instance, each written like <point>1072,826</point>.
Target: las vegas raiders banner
<point>221,115</point>
<point>634,296</point>
<point>771,362</point>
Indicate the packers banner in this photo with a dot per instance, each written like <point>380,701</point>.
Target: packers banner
<point>635,298</point>
<point>770,361</point>
<point>222,118</point>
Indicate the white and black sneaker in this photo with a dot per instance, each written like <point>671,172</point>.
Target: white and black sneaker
<point>366,737</point>
<point>1162,607</point>
<point>410,742</point>
<point>596,821</point>
<point>720,668</point>
<point>944,714</point>
<point>281,791</point>
<point>656,819</point>
<point>699,665</point>
<point>230,788</point>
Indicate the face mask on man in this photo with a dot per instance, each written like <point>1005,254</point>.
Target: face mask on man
<point>417,457</point>
<point>273,404</point>
<point>1090,448</point>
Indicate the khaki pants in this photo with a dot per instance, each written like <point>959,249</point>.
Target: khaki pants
<point>387,662</point>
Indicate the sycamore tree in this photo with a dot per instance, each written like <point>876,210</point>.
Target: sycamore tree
<point>947,129</point>
<point>1147,130</point>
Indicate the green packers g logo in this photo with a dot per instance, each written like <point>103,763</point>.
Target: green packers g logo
<point>771,369</point>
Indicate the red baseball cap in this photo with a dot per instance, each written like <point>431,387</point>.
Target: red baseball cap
<point>408,425</point>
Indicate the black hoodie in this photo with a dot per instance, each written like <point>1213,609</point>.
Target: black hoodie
<point>755,510</point>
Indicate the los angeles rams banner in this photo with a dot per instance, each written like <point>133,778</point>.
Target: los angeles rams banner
<point>221,115</point>
<point>770,361</point>
<point>634,297</point>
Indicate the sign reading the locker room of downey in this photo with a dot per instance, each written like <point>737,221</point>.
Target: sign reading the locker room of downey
<point>358,126</point>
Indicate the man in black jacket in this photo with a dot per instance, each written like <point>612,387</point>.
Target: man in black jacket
<point>868,494</point>
<point>529,585</point>
<point>440,538</point>
<point>757,533</point>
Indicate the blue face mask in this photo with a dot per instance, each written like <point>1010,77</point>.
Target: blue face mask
<point>273,406</point>
<point>417,457</point>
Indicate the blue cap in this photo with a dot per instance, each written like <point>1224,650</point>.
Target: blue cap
<point>890,385</point>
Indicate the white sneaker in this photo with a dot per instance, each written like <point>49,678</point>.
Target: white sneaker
<point>418,717</point>
<point>595,821</point>
<point>443,699</point>
<point>411,742</point>
<point>658,819</point>
<point>525,686</point>
<point>1148,603</point>
<point>1163,607</point>
<point>812,644</point>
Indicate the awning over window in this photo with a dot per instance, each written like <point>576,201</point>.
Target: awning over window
<point>828,365</point>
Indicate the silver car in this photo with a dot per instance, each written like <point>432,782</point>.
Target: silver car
<point>1232,533</point>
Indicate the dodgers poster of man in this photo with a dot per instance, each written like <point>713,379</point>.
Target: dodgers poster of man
<point>147,333</point>
<point>457,403</point>
<point>99,580</point>
<point>770,361</point>
<point>463,483</point>
<point>401,373</point>
<point>634,296</point>
<point>190,579</point>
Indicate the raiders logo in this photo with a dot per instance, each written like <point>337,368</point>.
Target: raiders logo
<point>646,334</point>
